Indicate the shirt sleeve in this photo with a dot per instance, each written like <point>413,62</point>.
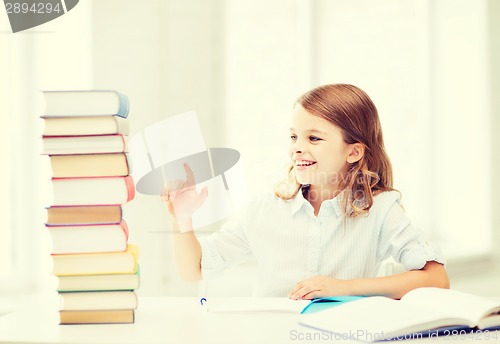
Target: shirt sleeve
<point>404,242</point>
<point>225,248</point>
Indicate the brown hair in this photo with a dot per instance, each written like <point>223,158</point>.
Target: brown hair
<point>352,110</point>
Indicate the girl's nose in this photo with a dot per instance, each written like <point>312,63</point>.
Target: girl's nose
<point>297,147</point>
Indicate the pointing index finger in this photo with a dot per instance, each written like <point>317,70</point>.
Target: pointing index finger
<point>189,175</point>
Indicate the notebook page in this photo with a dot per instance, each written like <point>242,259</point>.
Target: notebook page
<point>452,302</point>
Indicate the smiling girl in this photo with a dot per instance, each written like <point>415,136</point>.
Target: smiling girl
<point>330,225</point>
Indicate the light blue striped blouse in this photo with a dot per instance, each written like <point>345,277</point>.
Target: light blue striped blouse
<point>290,243</point>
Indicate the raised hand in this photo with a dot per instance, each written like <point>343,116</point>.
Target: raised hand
<point>182,198</point>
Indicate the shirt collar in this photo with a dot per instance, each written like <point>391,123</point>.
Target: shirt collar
<point>299,201</point>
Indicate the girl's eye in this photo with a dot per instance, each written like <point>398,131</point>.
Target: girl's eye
<point>293,137</point>
<point>314,138</point>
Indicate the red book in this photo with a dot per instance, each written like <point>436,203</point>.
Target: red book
<point>92,191</point>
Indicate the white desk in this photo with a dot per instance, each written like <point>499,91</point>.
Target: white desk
<point>160,320</point>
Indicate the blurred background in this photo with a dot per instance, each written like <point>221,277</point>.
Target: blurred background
<point>431,67</point>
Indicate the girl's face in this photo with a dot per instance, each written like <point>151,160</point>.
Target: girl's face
<point>317,149</point>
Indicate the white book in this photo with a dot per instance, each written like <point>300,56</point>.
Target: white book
<point>85,103</point>
<point>62,145</point>
<point>100,300</point>
<point>89,238</point>
<point>92,191</point>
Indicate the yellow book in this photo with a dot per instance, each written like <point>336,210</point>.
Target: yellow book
<point>89,165</point>
<point>96,263</point>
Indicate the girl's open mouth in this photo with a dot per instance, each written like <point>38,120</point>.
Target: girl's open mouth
<point>304,163</point>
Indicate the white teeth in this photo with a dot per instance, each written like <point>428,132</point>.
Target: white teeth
<point>305,163</point>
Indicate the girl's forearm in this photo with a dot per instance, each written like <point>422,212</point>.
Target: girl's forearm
<point>395,286</point>
<point>187,250</point>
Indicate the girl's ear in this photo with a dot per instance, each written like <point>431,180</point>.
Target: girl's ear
<point>357,150</point>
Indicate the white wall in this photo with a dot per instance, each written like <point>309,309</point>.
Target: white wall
<point>425,65</point>
<point>242,64</point>
<point>494,58</point>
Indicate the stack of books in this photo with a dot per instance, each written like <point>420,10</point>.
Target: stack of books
<point>85,137</point>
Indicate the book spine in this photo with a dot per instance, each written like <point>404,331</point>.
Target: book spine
<point>124,105</point>
<point>134,250</point>
<point>129,163</point>
<point>124,226</point>
<point>122,125</point>
<point>124,142</point>
<point>129,182</point>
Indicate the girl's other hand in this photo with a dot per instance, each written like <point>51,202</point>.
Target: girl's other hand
<point>182,198</point>
<point>319,286</point>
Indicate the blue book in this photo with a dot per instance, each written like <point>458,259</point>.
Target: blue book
<point>322,303</point>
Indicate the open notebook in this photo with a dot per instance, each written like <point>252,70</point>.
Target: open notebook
<point>427,311</point>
